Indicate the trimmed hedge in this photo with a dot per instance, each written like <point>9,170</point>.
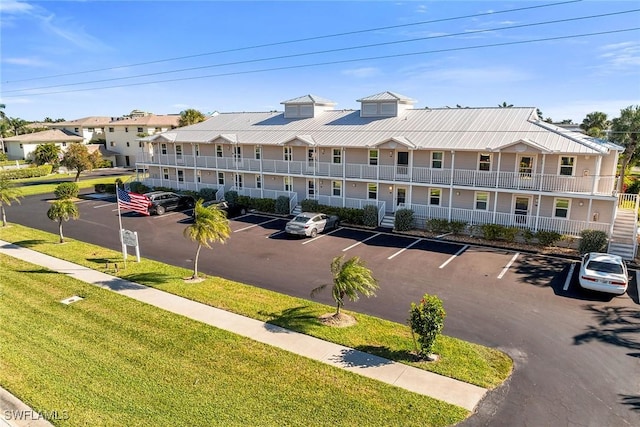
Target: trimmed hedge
<point>403,220</point>
<point>67,190</point>
<point>282,205</point>
<point>592,241</point>
<point>30,172</point>
<point>370,216</point>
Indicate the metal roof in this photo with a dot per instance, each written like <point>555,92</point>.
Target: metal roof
<point>471,129</point>
<point>308,99</point>
<point>387,96</point>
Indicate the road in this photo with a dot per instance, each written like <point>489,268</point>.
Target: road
<point>576,353</point>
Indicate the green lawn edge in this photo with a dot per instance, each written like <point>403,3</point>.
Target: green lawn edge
<point>462,360</point>
<point>109,360</point>
<point>47,184</point>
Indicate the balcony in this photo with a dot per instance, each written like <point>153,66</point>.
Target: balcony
<point>597,185</point>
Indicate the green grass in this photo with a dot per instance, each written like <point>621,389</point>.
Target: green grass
<point>109,360</point>
<point>46,185</point>
<point>462,360</point>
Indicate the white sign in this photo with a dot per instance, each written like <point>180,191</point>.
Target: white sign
<point>129,238</point>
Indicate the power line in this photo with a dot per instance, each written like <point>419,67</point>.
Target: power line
<point>328,51</point>
<point>349,33</point>
<point>339,62</point>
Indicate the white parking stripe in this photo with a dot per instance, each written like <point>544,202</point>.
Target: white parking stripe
<point>321,235</point>
<point>506,267</point>
<point>275,234</point>
<point>444,264</point>
<point>362,241</point>
<point>569,276</point>
<point>102,206</point>
<point>404,249</point>
<point>255,225</point>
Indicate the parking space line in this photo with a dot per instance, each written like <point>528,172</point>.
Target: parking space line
<point>275,234</point>
<point>569,276</point>
<point>321,235</point>
<point>444,264</point>
<point>506,267</point>
<point>404,249</point>
<point>166,215</point>
<point>255,225</point>
<point>102,206</point>
<point>362,241</point>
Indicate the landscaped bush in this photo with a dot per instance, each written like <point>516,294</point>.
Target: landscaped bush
<point>426,320</point>
<point>510,233</point>
<point>492,231</point>
<point>528,236</point>
<point>403,220</point>
<point>263,205</point>
<point>231,197</point>
<point>99,188</point>
<point>67,190</point>
<point>244,201</point>
<point>282,205</point>
<point>592,241</point>
<point>3,158</point>
<point>31,172</point>
<point>138,187</point>
<point>207,194</point>
<point>370,216</point>
<point>436,225</point>
<point>457,227</point>
<point>309,205</point>
<point>548,238</point>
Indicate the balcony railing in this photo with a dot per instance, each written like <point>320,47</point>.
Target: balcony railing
<point>594,184</point>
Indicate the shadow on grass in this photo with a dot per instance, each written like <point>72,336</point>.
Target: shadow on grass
<point>148,279</point>
<point>40,271</point>
<point>112,260</point>
<point>298,319</point>
<point>387,353</point>
<point>31,243</point>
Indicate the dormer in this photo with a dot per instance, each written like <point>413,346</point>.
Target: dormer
<point>306,106</point>
<point>384,104</point>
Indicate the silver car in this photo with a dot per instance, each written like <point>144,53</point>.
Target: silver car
<point>310,224</point>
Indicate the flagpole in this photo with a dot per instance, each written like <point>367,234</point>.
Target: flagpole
<point>124,248</point>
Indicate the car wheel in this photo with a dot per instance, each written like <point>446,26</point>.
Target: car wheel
<point>160,210</point>
<point>314,233</point>
<point>190,204</point>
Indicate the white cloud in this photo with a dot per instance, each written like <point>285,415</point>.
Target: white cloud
<point>466,76</point>
<point>14,7</point>
<point>620,56</point>
<point>363,72</point>
<point>28,62</point>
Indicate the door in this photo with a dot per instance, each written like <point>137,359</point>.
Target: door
<point>311,189</point>
<point>526,167</point>
<point>401,197</point>
<point>127,161</point>
<point>521,209</point>
<point>402,166</point>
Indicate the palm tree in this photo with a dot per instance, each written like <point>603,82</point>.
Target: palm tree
<point>62,210</point>
<point>190,117</point>
<point>47,154</point>
<point>505,105</point>
<point>17,125</point>
<point>210,225</point>
<point>350,278</point>
<point>595,124</point>
<point>8,192</point>
<point>624,131</point>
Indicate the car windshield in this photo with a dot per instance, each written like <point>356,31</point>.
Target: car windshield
<point>605,267</point>
<point>301,218</point>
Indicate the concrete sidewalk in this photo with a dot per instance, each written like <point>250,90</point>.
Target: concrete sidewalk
<point>416,380</point>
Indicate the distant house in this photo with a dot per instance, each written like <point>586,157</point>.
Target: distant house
<point>21,147</point>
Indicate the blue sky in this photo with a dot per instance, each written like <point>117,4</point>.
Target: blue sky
<point>248,56</point>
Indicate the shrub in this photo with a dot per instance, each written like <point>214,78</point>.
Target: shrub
<point>548,238</point>
<point>30,172</point>
<point>67,190</point>
<point>99,188</point>
<point>509,234</point>
<point>436,225</point>
<point>263,205</point>
<point>119,183</point>
<point>457,227</point>
<point>528,236</point>
<point>282,205</point>
<point>492,231</point>
<point>231,197</point>
<point>426,320</point>
<point>370,216</point>
<point>403,220</point>
<point>592,241</point>
<point>309,205</point>
<point>244,201</point>
<point>207,194</point>
<point>138,187</point>
<point>3,157</point>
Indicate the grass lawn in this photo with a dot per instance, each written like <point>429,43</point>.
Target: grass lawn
<point>462,360</point>
<point>109,360</point>
<point>47,184</point>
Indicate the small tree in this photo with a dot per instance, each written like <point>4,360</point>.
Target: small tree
<point>8,193</point>
<point>47,154</point>
<point>67,190</point>
<point>350,278</point>
<point>77,157</point>
<point>62,210</point>
<point>210,225</point>
<point>426,320</point>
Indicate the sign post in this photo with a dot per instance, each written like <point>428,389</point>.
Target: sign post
<point>130,238</point>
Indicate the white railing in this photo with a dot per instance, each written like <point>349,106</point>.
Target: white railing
<point>334,201</point>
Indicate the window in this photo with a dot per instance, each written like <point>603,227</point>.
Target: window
<point>484,162</point>
<point>140,130</point>
<point>561,208</point>
<point>110,129</point>
<point>437,159</point>
<point>336,188</point>
<point>373,157</point>
<point>197,150</point>
<point>76,130</point>
<point>198,173</point>
<point>221,178</point>
<point>258,181</point>
<point>286,154</point>
<point>91,129</point>
<point>178,152</point>
<point>287,183</point>
<point>337,155</point>
<point>126,129</point>
<point>64,144</point>
<point>237,153</point>
<point>372,191</point>
<point>311,188</point>
<point>165,173</point>
<point>21,145</point>
<point>218,150</point>
<point>180,176</point>
<point>163,149</point>
<point>258,153</point>
<point>127,143</point>
<point>482,201</point>
<point>140,144</point>
<point>566,166</point>
<point>435,195</point>
<point>238,180</point>
<point>112,143</point>
<point>311,157</point>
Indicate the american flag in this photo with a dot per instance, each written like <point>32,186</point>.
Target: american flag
<point>133,201</point>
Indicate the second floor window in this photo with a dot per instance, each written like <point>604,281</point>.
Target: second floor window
<point>311,156</point>
<point>258,153</point>
<point>567,166</point>
<point>140,130</point>
<point>165,173</point>
<point>197,150</point>
<point>435,194</point>
<point>482,201</point>
<point>218,150</point>
<point>437,159</point>
<point>111,129</point>
<point>286,154</point>
<point>336,188</point>
<point>127,143</point>
<point>258,181</point>
<point>337,156</point>
<point>561,208</point>
<point>126,129</point>
<point>373,157</point>
<point>163,148</point>
<point>484,162</point>
<point>237,153</point>
<point>179,151</point>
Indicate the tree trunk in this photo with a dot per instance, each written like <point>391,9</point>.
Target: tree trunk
<point>78,175</point>
<point>60,231</point>
<point>195,263</point>
<point>4,216</point>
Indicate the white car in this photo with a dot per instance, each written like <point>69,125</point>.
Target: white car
<point>310,224</point>
<point>604,273</point>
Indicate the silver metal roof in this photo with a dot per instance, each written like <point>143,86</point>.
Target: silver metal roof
<point>388,96</point>
<point>308,99</point>
<point>470,129</point>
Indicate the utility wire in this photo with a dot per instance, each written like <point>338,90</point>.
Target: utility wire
<point>349,33</point>
<point>235,73</point>
<point>248,61</point>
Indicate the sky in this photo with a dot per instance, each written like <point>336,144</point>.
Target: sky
<point>74,59</point>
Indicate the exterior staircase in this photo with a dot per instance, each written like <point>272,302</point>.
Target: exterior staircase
<point>388,221</point>
<point>623,238</point>
<point>296,210</point>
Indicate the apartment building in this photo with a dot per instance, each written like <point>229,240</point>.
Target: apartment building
<point>478,165</point>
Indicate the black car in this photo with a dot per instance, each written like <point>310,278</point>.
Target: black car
<point>162,201</point>
<point>231,210</point>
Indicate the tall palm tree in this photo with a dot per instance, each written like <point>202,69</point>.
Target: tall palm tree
<point>505,105</point>
<point>8,192</point>
<point>62,210</point>
<point>210,225</point>
<point>625,130</point>
<point>595,124</point>
<point>350,278</point>
<point>190,117</point>
<point>17,125</point>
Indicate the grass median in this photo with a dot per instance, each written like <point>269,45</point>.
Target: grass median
<point>459,359</point>
<point>108,360</point>
<point>47,185</point>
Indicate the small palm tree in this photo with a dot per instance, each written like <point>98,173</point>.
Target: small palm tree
<point>210,225</point>
<point>350,278</point>
<point>8,192</point>
<point>62,210</point>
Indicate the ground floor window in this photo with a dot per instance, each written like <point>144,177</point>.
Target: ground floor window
<point>336,188</point>
<point>482,201</point>
<point>180,176</point>
<point>165,173</point>
<point>288,186</point>
<point>238,180</point>
<point>435,194</point>
<point>372,190</point>
<point>258,181</point>
<point>221,178</point>
<point>561,208</point>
